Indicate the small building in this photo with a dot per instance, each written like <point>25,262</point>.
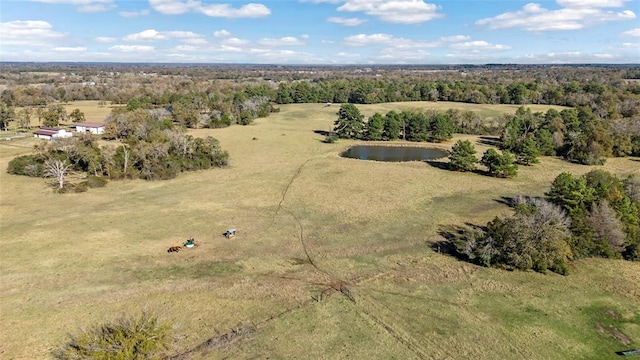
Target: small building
<point>49,133</point>
<point>90,128</point>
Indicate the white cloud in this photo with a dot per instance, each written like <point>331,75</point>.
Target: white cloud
<point>402,56</point>
<point>394,11</point>
<point>631,45</point>
<point>153,35</point>
<point>363,39</point>
<point>603,56</point>
<point>632,32</point>
<point>221,33</point>
<point>194,41</point>
<point>105,39</point>
<point>70,49</point>
<point>176,7</point>
<point>386,39</point>
<point>284,41</point>
<point>479,45</point>
<point>132,48</point>
<point>28,32</point>
<point>591,3</point>
<point>347,21</point>
<point>574,15</point>
<point>282,56</point>
<point>83,5</point>
<point>134,14</point>
<point>321,1</point>
<point>454,38</point>
<point>347,55</point>
<point>235,41</point>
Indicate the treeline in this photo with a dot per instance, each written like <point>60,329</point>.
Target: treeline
<point>595,215</point>
<point>578,135</point>
<point>151,147</point>
<point>427,125</point>
<point>372,91</point>
<point>199,109</point>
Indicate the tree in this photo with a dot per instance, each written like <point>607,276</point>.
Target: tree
<point>441,127</point>
<point>499,165</point>
<point>632,188</point>
<point>571,193</point>
<point>24,118</point>
<point>57,169</point>
<point>54,115</point>
<point>349,124</point>
<point>375,127</point>
<point>391,129</point>
<point>416,126</point>
<point>608,233</point>
<point>77,116</point>
<point>535,237</point>
<point>527,152</point>
<point>7,115</point>
<point>463,156</point>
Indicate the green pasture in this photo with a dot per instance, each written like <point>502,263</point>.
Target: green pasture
<point>310,225</point>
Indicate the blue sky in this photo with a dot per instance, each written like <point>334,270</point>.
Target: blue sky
<point>321,31</point>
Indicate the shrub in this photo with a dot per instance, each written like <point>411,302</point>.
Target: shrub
<point>330,139</point>
<point>96,181</point>
<point>29,165</point>
<point>535,238</point>
<point>129,337</point>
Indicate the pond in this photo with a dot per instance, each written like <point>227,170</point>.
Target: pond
<point>393,153</point>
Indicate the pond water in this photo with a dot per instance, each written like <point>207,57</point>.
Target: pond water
<point>393,153</point>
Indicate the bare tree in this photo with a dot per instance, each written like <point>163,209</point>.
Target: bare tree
<point>57,169</point>
<point>607,227</point>
<point>632,188</point>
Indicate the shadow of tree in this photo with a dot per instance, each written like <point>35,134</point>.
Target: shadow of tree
<point>490,140</point>
<point>450,234</point>
<point>439,164</point>
<point>323,132</point>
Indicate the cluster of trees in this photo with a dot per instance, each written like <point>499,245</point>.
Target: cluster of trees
<point>595,215</point>
<point>467,88</point>
<point>151,147</point>
<point>463,158</point>
<point>51,116</point>
<point>430,125</point>
<point>578,135</point>
<point>196,109</point>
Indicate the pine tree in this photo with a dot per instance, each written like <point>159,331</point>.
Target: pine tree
<point>462,157</point>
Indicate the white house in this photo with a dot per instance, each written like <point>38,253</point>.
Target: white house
<point>90,128</point>
<point>52,133</point>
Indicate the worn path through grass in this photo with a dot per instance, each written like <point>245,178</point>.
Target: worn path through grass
<point>78,259</point>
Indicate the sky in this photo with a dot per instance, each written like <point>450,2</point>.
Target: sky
<point>321,31</point>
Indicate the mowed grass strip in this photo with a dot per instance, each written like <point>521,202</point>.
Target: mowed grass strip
<point>79,259</point>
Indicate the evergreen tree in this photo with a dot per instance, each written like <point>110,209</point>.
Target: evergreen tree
<point>500,165</point>
<point>441,128</point>
<point>462,157</point>
<point>349,124</point>
<point>392,127</point>
<point>375,127</point>
<point>527,152</point>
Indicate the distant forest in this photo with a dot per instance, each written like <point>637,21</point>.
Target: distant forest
<point>606,98</point>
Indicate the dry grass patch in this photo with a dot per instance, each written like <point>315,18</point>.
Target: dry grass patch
<point>75,259</point>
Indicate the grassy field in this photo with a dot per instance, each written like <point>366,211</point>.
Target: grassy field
<point>308,222</point>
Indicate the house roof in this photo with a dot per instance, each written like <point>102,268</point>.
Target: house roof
<point>89,124</point>
<point>47,131</point>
